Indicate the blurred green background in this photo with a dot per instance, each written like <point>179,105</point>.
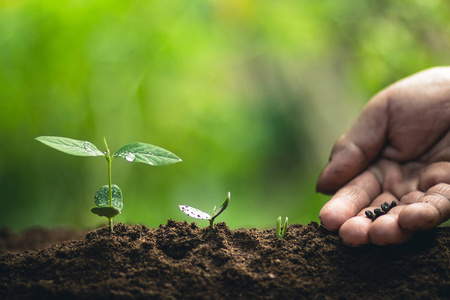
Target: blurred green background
<point>250,94</point>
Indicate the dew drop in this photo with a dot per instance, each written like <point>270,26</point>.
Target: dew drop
<point>87,148</point>
<point>130,157</point>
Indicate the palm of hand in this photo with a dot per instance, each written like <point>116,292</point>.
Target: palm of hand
<point>407,128</point>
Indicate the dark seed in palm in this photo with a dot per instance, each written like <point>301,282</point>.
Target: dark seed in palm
<point>385,207</point>
<point>378,212</point>
<point>370,214</point>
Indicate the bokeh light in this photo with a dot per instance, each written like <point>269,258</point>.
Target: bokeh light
<point>250,94</point>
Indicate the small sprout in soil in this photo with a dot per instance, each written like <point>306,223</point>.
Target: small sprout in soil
<point>108,199</point>
<point>198,214</point>
<point>281,233</point>
<point>385,208</point>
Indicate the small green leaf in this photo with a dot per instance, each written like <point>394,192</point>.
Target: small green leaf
<point>102,197</point>
<point>278,228</point>
<point>147,154</point>
<point>222,207</point>
<point>71,146</point>
<point>105,211</point>
<point>285,226</point>
<point>281,233</point>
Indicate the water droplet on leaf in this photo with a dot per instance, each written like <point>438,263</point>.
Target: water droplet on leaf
<point>130,157</point>
<point>194,212</point>
<point>87,148</point>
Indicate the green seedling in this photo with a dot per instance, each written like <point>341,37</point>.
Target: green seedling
<point>198,214</point>
<point>108,199</point>
<point>281,233</point>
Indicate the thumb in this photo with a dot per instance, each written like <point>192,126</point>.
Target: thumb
<point>356,149</point>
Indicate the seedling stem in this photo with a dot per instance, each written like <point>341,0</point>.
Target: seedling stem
<point>217,213</point>
<point>109,160</point>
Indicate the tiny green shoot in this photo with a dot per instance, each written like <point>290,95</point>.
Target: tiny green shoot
<point>281,233</point>
<point>108,199</point>
<point>198,214</point>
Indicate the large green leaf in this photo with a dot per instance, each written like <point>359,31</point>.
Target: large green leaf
<point>102,197</point>
<point>71,146</point>
<point>105,211</point>
<point>102,201</point>
<point>147,154</point>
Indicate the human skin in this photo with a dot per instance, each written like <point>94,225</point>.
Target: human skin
<point>398,149</point>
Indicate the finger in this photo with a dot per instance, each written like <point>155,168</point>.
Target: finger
<point>355,231</point>
<point>349,200</point>
<point>386,230</point>
<point>434,174</point>
<point>420,106</point>
<point>429,211</point>
<point>412,197</point>
<point>354,151</point>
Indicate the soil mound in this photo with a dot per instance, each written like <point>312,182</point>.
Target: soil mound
<point>179,260</point>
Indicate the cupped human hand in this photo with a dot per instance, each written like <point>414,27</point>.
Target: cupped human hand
<point>398,149</point>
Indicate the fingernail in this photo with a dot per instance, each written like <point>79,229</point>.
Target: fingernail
<point>321,224</point>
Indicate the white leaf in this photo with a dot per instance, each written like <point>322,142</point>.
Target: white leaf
<point>194,212</point>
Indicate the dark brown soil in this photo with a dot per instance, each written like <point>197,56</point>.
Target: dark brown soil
<point>182,261</point>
